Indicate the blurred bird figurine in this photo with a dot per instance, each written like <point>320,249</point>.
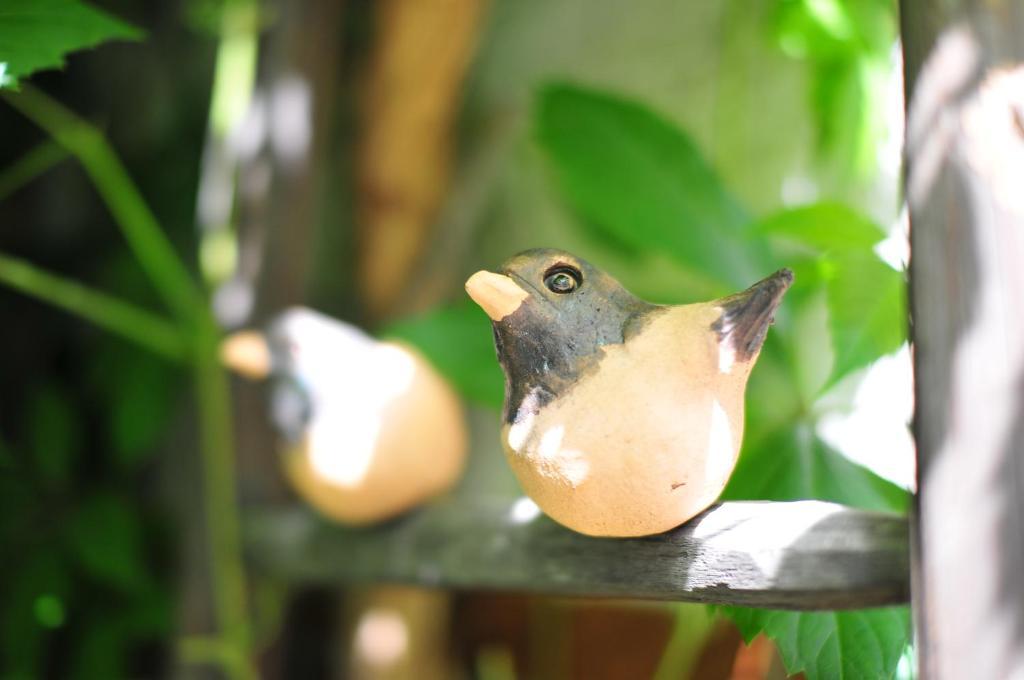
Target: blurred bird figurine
<point>622,418</point>
<point>369,427</point>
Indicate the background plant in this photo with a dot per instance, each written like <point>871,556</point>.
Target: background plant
<point>103,530</point>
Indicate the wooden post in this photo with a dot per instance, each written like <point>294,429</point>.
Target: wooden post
<point>965,187</point>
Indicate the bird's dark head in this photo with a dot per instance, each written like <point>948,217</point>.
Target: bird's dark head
<point>551,313</point>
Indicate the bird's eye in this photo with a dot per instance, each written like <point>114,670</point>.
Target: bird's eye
<point>562,279</point>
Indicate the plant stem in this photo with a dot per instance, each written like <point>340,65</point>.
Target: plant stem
<point>109,313</point>
<point>203,650</point>
<point>31,165</point>
<point>221,498</point>
<point>130,211</point>
<point>186,299</point>
<point>689,632</point>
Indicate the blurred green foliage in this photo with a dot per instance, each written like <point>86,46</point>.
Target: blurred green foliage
<point>79,584</point>
<point>85,588</point>
<point>847,45</point>
<point>451,339</point>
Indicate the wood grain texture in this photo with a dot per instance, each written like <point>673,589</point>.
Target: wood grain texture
<point>965,160</point>
<point>795,555</point>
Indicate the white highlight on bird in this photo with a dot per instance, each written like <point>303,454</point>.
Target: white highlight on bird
<point>567,465</point>
<point>550,442</point>
<point>342,446</point>
<point>726,350</point>
<point>519,431</point>
<point>720,448</point>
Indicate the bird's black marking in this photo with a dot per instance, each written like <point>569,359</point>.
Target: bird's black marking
<point>291,399</point>
<point>555,338</point>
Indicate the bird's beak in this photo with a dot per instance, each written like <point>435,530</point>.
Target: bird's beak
<point>246,353</point>
<point>498,295</point>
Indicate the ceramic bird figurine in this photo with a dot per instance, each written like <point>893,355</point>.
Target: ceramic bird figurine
<point>369,428</point>
<point>622,418</point>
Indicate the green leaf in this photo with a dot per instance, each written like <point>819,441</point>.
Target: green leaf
<point>107,536</point>
<point>632,174</point>
<point>794,464</point>
<point>847,46</point>
<point>849,644</point>
<point>841,103</point>
<point>816,30</point>
<point>865,296</point>
<point>876,25</point>
<point>458,341</point>
<point>36,34</point>
<point>867,310</point>
<point>824,227</point>
<point>826,29</point>
<point>55,432</point>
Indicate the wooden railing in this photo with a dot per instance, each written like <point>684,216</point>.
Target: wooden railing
<point>796,555</point>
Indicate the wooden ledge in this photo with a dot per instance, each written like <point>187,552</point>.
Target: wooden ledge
<point>793,555</point>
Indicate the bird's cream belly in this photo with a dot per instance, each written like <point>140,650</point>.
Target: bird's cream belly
<point>638,446</point>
